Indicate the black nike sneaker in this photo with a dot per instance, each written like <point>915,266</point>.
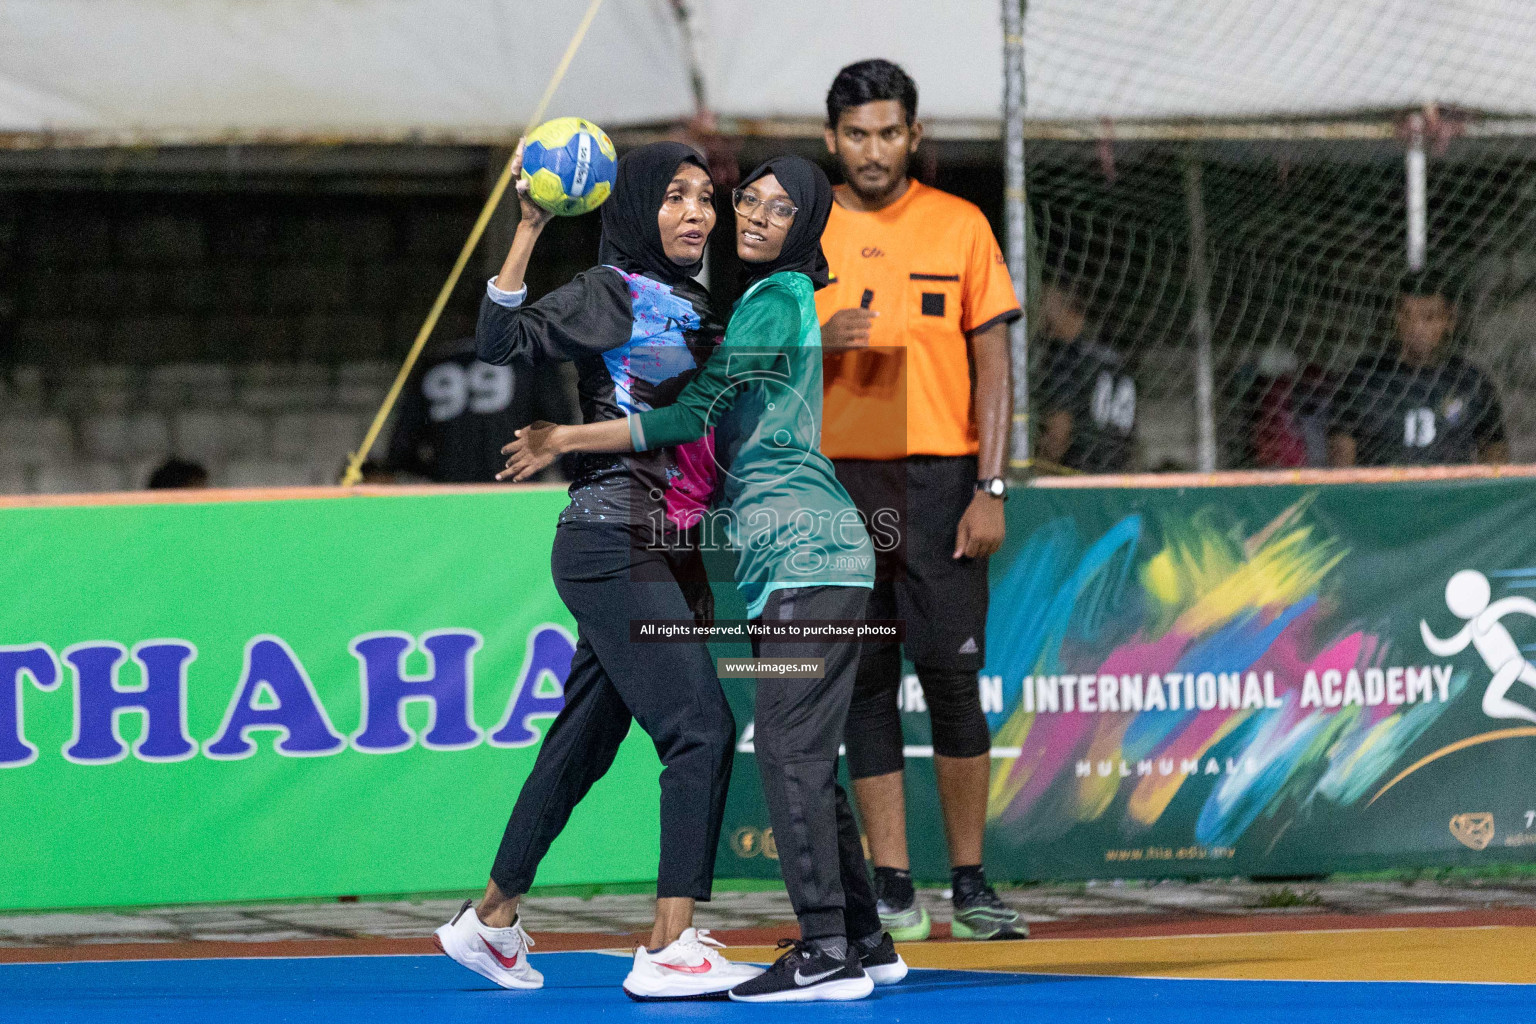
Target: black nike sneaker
<point>979,914</point>
<point>881,961</point>
<point>805,974</point>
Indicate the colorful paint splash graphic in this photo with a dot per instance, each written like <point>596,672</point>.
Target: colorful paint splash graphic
<point>1204,599</point>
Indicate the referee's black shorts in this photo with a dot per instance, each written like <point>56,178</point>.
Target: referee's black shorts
<point>913,507</point>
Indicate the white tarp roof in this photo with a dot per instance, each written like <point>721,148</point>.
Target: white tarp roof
<point>162,70</point>
<point>1130,59</point>
<point>349,67</point>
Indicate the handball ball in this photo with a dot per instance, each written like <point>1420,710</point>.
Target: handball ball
<point>569,165</point>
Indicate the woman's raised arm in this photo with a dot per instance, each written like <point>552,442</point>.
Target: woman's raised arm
<point>589,314</point>
<point>534,219</point>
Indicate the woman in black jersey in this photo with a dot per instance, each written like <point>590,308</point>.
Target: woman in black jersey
<point>637,327</point>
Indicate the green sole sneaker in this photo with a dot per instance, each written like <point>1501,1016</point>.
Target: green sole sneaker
<point>910,925</point>
<point>987,923</point>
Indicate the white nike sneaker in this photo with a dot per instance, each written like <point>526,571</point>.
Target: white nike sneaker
<point>688,968</point>
<point>500,954</point>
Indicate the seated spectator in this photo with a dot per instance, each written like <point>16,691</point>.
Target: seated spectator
<point>456,412</point>
<point>174,474</point>
<point>1086,396</point>
<point>1419,405</point>
<point>1289,416</point>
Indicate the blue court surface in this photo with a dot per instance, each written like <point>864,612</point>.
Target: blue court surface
<point>582,987</point>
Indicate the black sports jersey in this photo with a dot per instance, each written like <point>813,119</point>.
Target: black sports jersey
<point>1402,414</point>
<point>1089,380</point>
<point>456,412</point>
<point>636,343</point>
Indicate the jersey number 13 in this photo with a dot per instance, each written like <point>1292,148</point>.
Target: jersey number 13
<point>1419,428</point>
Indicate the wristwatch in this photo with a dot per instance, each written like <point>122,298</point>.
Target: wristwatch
<point>996,486</point>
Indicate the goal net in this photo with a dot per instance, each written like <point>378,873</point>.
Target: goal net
<point>1281,235</point>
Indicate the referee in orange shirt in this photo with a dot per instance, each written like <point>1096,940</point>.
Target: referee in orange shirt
<point>918,402</point>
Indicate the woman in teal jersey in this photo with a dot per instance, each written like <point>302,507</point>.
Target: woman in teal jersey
<point>803,556</point>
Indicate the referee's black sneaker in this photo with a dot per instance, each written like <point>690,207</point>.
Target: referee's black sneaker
<point>979,914</point>
<point>806,974</point>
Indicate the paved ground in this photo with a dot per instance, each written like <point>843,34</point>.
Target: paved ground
<point>1054,910</point>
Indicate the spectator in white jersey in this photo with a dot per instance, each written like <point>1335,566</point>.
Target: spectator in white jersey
<point>1420,404</point>
<point>1086,396</point>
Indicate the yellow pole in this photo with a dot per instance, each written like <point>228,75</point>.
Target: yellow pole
<point>354,465</point>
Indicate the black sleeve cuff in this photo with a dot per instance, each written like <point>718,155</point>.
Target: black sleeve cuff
<point>1002,318</point>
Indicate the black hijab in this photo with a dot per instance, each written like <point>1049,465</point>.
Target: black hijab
<point>631,237</point>
<point>811,193</point>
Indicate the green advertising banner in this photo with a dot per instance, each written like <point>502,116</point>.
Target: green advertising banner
<point>1273,680</point>
<point>342,695</point>
<point>261,699</point>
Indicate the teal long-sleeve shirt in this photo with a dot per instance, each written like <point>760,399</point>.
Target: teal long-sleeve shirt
<point>790,521</point>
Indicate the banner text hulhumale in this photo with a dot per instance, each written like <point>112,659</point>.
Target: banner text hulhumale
<point>1228,681</point>
<point>247,700</point>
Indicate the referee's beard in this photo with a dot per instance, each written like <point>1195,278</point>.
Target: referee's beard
<point>873,190</point>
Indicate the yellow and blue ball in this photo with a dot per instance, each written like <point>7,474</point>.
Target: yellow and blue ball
<point>569,164</point>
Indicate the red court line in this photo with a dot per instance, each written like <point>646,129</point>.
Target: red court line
<point>549,942</point>
<point>1128,926</point>
<point>213,950</point>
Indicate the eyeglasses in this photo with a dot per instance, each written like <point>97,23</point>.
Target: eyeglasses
<point>780,211</point>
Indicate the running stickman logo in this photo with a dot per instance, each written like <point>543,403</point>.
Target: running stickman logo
<point>1467,596</point>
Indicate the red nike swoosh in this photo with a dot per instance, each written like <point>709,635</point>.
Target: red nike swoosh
<point>504,961</point>
<point>702,968</point>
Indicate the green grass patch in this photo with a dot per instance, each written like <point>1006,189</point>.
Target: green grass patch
<point>1286,897</point>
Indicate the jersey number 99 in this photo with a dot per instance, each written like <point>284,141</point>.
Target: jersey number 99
<point>451,389</point>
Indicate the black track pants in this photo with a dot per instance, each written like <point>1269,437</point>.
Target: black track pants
<point>670,689</point>
<point>799,726</point>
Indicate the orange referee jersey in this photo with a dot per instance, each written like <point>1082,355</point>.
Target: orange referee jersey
<point>930,266</point>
